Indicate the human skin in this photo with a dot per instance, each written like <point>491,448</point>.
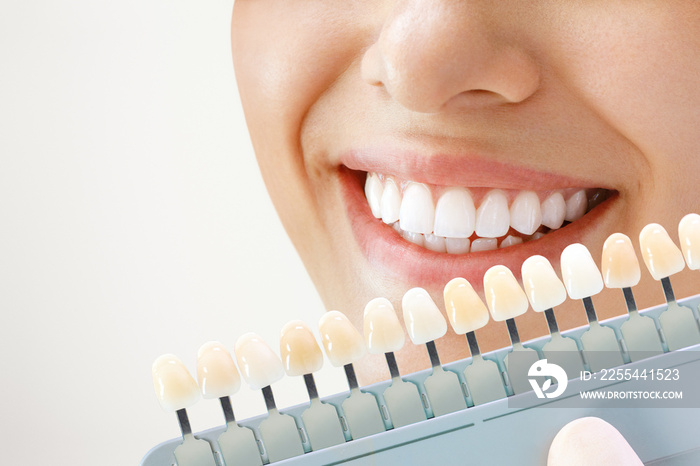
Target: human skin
<point>512,95</point>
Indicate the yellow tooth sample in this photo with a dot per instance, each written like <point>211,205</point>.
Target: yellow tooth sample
<point>175,387</point>
<point>542,286</point>
<point>661,255</point>
<point>590,441</point>
<point>341,340</point>
<point>504,297</point>
<point>422,317</point>
<point>259,365</point>
<point>299,350</point>
<point>216,372</point>
<point>620,265</point>
<point>465,310</point>
<point>383,332</point>
<point>689,234</point>
<point>579,272</point>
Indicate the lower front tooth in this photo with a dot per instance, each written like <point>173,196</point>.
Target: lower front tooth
<point>484,244</point>
<point>576,206</point>
<point>415,238</point>
<point>510,241</point>
<point>435,243</point>
<point>457,245</point>
<point>390,202</point>
<point>553,211</point>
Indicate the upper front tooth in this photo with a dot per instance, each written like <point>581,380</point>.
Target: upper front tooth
<point>660,253</point>
<point>455,214</point>
<point>576,206</point>
<point>390,202</point>
<point>417,213</point>
<point>492,216</point>
<point>422,317</point>
<point>553,211</point>
<point>525,213</point>
<point>373,192</point>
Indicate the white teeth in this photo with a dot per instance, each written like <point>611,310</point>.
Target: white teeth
<point>553,211</point>
<point>436,243</point>
<point>455,214</point>
<point>525,212</point>
<point>576,206</point>
<point>511,241</point>
<point>579,272</point>
<point>457,245</point>
<point>484,244</point>
<point>373,192</point>
<point>417,213</point>
<point>390,202</point>
<point>422,317</point>
<point>415,238</point>
<point>493,216</point>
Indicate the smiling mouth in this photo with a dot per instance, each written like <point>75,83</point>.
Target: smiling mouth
<point>461,220</point>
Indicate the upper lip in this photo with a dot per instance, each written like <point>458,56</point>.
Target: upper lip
<point>457,169</point>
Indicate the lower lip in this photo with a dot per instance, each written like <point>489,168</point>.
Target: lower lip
<point>389,253</point>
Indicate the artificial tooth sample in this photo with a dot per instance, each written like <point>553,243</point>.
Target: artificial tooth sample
<point>301,355</point>
<point>390,202</point>
<point>261,367</point>
<point>425,324</point>
<point>583,280</point>
<point>176,391</point>
<point>576,206</point>
<point>484,244</point>
<point>621,270</point>
<point>457,245</point>
<point>553,211</point>
<point>590,441</point>
<point>383,334</point>
<point>506,300</point>
<point>663,259</point>
<point>689,234</point>
<point>344,346</point>
<point>493,215</point>
<point>525,212</point>
<point>455,215</point>
<point>545,291</point>
<point>218,378</point>
<point>468,313</point>
<point>417,213</point>
<point>373,192</point>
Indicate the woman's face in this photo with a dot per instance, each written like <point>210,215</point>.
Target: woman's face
<point>501,104</point>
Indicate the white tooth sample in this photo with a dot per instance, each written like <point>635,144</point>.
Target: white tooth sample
<point>661,255</point>
<point>689,234</point>
<point>484,244</point>
<point>553,211</point>
<point>525,213</point>
<point>216,373</point>
<point>341,340</point>
<point>457,245</point>
<point>417,212</point>
<point>579,272</point>
<point>465,310</point>
<point>455,214</point>
<point>504,297</point>
<point>422,317</point>
<point>541,283</point>
<point>511,240</point>
<point>373,192</point>
<point>299,350</point>
<point>576,206</point>
<point>493,216</point>
<point>259,365</point>
<point>175,387</point>
<point>435,243</point>
<point>415,238</point>
<point>620,266</point>
<point>590,441</point>
<point>383,332</point>
<point>390,202</point>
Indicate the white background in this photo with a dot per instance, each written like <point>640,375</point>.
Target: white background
<point>133,222</point>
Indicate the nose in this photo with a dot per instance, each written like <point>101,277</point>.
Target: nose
<point>436,54</point>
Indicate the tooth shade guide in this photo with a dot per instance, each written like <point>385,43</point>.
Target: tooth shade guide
<point>689,235</point>
<point>661,255</point>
